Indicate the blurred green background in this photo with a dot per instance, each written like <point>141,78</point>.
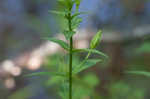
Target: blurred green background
<point>126,40</point>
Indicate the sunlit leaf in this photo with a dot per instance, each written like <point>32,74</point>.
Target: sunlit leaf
<point>85,65</point>
<point>144,73</point>
<point>96,39</point>
<point>77,2</point>
<point>60,42</point>
<point>90,51</point>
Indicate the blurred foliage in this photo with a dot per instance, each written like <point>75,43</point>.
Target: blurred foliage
<point>121,90</point>
<point>86,83</point>
<point>23,93</point>
<point>83,86</point>
<point>144,48</point>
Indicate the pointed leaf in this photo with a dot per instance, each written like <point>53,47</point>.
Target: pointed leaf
<point>77,4</point>
<point>90,51</point>
<point>57,12</point>
<point>68,34</point>
<point>87,64</point>
<point>96,39</point>
<point>76,22</point>
<point>78,13</point>
<point>60,42</point>
<point>62,13</point>
<point>46,73</point>
<point>139,73</point>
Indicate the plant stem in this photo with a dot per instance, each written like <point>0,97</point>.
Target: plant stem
<point>70,57</point>
<point>70,69</point>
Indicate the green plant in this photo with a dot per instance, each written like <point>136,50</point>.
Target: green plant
<point>87,82</point>
<point>67,75</point>
<point>144,48</point>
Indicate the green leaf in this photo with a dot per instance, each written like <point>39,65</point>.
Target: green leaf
<point>68,34</point>
<point>57,12</point>
<point>66,3</point>
<point>85,65</point>
<point>69,3</point>
<point>78,13</point>
<point>90,51</point>
<point>76,22</point>
<point>139,73</point>
<point>60,42</point>
<point>77,3</point>
<point>46,73</point>
<point>62,2</point>
<point>61,13</point>
<point>96,39</point>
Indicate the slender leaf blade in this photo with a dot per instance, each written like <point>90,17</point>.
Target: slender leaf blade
<point>87,64</point>
<point>144,73</point>
<point>90,51</point>
<point>57,12</point>
<point>60,42</point>
<point>46,73</point>
<point>78,13</point>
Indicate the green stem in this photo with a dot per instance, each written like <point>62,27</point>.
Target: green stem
<point>70,56</point>
<point>70,69</point>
